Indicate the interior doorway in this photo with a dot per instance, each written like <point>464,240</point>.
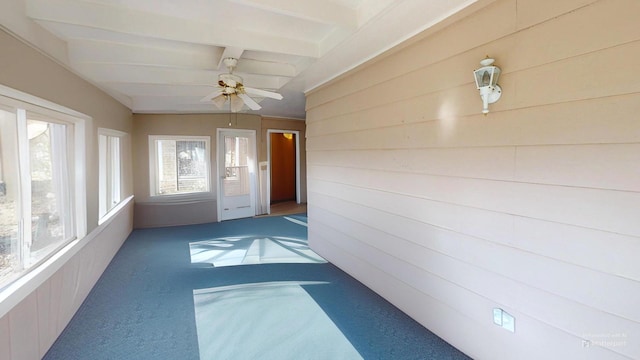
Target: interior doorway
<point>283,148</point>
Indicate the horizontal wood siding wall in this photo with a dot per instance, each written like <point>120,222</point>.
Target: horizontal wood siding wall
<point>534,208</point>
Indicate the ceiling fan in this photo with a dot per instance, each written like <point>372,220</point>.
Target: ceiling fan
<point>231,88</point>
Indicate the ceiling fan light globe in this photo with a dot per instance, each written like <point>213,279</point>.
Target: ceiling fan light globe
<point>229,79</point>
<point>236,103</point>
<point>219,101</point>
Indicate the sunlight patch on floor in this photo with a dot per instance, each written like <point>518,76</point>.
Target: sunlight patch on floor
<point>230,251</point>
<point>300,220</point>
<point>277,320</point>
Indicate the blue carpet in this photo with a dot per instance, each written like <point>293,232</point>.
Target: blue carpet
<point>143,305</point>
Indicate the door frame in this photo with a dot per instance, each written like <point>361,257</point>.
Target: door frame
<point>253,188</point>
<point>297,135</point>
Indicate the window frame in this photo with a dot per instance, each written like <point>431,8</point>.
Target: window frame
<point>154,175</point>
<point>107,174</point>
<point>24,103</point>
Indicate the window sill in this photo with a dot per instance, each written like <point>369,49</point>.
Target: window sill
<point>116,209</point>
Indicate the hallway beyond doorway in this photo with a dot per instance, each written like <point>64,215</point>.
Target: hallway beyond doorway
<point>286,208</point>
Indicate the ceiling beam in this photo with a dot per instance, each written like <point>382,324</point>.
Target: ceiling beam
<point>161,90</point>
<point>13,19</point>
<point>411,17</point>
<point>229,52</point>
<point>123,73</point>
<point>107,53</point>
<point>372,8</point>
<point>154,104</point>
<point>95,51</point>
<point>129,21</point>
<point>257,67</point>
<point>145,104</point>
<point>324,12</point>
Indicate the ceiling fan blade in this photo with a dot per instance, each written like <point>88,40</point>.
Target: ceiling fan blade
<point>250,102</point>
<point>219,101</point>
<point>263,93</point>
<point>212,96</point>
<point>236,103</point>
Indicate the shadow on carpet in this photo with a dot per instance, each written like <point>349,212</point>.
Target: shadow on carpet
<point>153,302</point>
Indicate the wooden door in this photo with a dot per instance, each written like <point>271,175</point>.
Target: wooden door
<point>283,167</point>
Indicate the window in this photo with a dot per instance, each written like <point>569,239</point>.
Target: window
<point>38,178</point>
<point>9,196</point>
<point>236,156</point>
<point>179,165</point>
<point>110,169</point>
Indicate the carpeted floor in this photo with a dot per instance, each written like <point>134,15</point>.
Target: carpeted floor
<point>152,302</point>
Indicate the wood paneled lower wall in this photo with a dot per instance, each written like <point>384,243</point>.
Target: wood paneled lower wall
<point>29,329</point>
<point>152,214</point>
<point>533,209</point>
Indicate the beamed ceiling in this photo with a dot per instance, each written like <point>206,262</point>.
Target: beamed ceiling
<point>164,56</point>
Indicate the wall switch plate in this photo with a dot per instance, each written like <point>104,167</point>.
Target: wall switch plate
<point>504,319</point>
<point>497,316</point>
<point>508,322</point>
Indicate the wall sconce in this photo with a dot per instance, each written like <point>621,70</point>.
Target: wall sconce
<point>487,82</point>
<point>287,136</point>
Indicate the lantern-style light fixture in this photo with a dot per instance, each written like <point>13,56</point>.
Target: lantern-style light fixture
<point>487,83</point>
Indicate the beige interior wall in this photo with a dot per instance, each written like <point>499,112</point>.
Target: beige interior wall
<point>288,124</point>
<point>29,71</point>
<point>533,209</point>
<point>30,327</point>
<point>157,212</point>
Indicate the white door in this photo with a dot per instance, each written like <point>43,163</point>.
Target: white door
<point>237,174</point>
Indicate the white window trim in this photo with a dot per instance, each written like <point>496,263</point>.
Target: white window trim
<point>28,102</point>
<point>35,276</point>
<point>153,171</point>
<point>123,137</point>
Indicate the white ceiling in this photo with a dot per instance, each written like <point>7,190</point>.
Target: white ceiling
<point>164,56</point>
